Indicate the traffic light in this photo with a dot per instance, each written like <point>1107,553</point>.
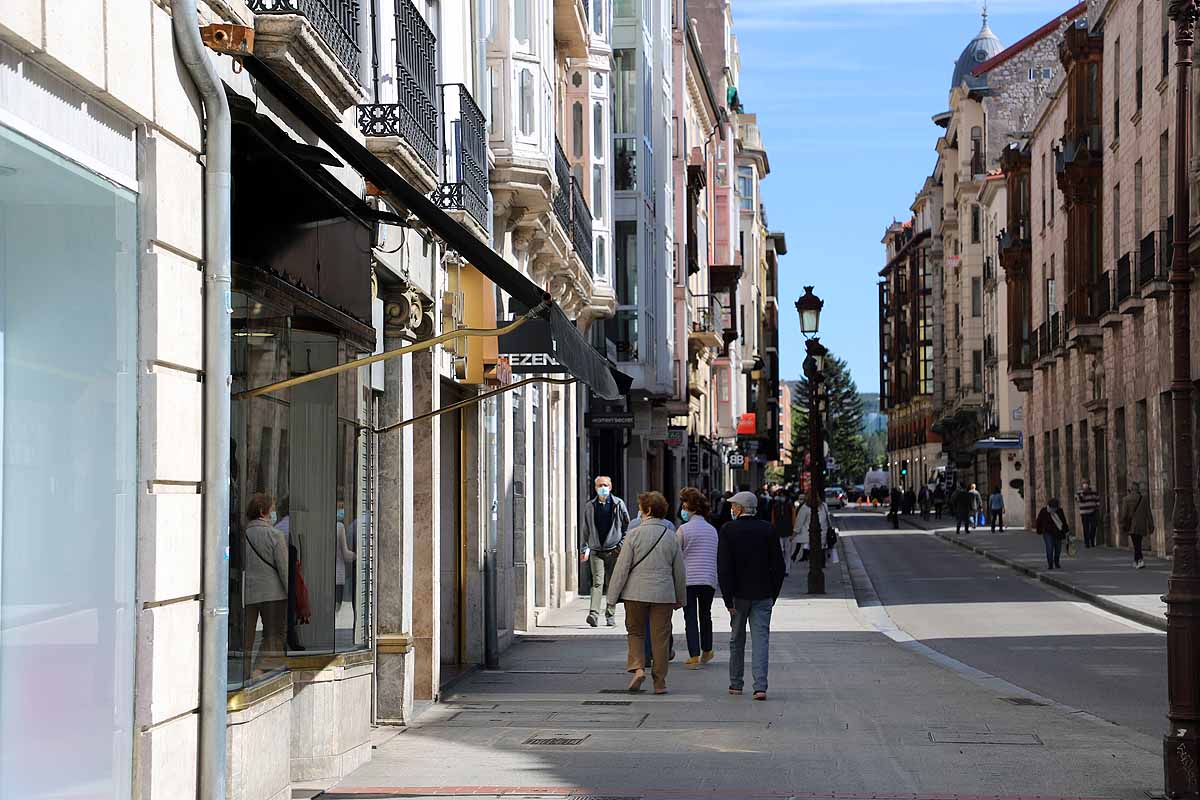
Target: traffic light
<point>904,469</point>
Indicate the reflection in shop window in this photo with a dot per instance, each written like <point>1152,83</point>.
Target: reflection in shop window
<point>299,519</point>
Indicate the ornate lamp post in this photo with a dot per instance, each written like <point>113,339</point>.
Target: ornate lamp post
<point>1181,745</point>
<point>809,308</point>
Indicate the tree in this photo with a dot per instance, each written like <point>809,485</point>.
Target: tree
<point>843,423</point>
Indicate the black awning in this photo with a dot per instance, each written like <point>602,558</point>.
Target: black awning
<point>535,349</point>
<point>571,349</point>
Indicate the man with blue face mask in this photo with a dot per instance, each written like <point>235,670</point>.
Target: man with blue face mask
<point>605,521</point>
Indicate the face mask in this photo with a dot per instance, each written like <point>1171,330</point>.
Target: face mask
<point>603,491</point>
<point>341,515</point>
<point>684,515</point>
<point>273,517</point>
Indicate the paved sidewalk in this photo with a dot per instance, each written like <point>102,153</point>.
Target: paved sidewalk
<point>851,714</point>
<point>1104,576</point>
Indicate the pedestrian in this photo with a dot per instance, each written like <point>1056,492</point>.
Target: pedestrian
<point>996,507</point>
<point>897,502</point>
<point>782,518</point>
<point>925,500</point>
<point>963,505</point>
<point>722,509</point>
<point>651,580</point>
<point>605,521</point>
<point>1136,521</point>
<point>1088,500</point>
<point>910,502</point>
<point>750,573</point>
<point>939,500</point>
<point>764,503</point>
<point>264,586</point>
<point>343,556</point>
<point>1052,525</point>
<point>804,522</point>
<point>698,542</point>
<point>976,506</point>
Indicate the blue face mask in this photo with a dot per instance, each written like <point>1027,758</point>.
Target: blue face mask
<point>684,515</point>
<point>273,517</point>
<point>603,491</point>
<point>341,515</point>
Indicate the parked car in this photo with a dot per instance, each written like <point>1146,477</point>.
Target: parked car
<point>835,497</point>
<point>857,494</point>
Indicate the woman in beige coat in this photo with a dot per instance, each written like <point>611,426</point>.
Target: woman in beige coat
<point>651,580</point>
<point>265,585</point>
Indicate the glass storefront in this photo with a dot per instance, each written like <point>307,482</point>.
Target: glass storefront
<point>299,521</point>
<point>68,433</point>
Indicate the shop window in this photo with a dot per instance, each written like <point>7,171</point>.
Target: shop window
<point>68,434</point>
<point>525,102</point>
<point>299,531</point>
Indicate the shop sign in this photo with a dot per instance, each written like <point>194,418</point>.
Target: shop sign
<point>693,458</point>
<point>737,460</point>
<point>675,436</point>
<point>530,349</point>
<point>747,425</point>
<point>615,419</point>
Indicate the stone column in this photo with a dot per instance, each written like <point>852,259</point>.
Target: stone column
<point>522,512</point>
<point>426,526</point>
<point>395,656</point>
<point>475,499</point>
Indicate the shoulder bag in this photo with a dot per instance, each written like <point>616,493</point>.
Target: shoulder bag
<point>653,547</point>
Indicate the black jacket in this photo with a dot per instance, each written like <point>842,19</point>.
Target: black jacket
<point>749,561</point>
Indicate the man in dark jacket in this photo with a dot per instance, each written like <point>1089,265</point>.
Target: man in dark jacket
<point>963,505</point>
<point>604,522</point>
<point>750,571</point>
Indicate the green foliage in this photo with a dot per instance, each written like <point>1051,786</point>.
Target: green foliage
<point>853,450</point>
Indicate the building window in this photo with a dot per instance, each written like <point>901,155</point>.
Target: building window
<point>745,188</point>
<point>598,192</point>
<point>525,108</point>
<point>976,297</point>
<point>625,9</point>
<point>1116,210</point>
<point>523,24</point>
<point>976,225</point>
<point>598,131</point>
<point>625,166</point>
<point>68,434</point>
<point>625,239</point>
<point>577,129</point>
<point>1117,90</point>
<point>598,17</point>
<point>977,370</point>
<point>1138,86</point>
<point>601,260</point>
<point>977,159</point>
<point>624,92</point>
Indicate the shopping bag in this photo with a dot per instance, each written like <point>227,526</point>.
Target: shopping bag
<point>834,558</point>
<point>982,521</point>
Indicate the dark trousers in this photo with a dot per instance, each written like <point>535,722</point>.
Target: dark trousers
<point>1137,547</point>
<point>1089,529</point>
<point>697,619</point>
<point>997,518</point>
<point>962,521</point>
<point>1054,546</point>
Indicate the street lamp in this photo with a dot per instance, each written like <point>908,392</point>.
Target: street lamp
<point>809,308</point>
<point>1181,745</point>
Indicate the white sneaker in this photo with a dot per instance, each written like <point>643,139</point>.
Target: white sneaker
<point>1140,565</point>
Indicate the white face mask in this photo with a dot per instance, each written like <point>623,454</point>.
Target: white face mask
<point>602,491</point>
<point>273,517</point>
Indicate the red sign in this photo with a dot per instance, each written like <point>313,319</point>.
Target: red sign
<point>747,425</point>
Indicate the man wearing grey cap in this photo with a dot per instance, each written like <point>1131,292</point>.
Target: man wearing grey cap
<point>750,571</point>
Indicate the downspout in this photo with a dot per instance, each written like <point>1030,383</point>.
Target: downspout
<point>214,617</point>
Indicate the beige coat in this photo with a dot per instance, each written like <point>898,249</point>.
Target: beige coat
<point>660,577</point>
<point>266,560</point>
<point>1136,519</point>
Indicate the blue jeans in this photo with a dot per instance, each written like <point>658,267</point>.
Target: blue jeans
<point>758,614</point>
<point>1054,546</point>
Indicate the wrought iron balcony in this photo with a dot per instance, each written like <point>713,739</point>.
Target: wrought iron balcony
<point>1082,146</point>
<point>1148,260</point>
<point>464,154</point>
<point>562,197</point>
<point>1020,352</point>
<point>336,21</point>
<point>707,319</point>
<point>1100,297</point>
<point>1125,277</point>
<point>581,225</point>
<point>414,115</point>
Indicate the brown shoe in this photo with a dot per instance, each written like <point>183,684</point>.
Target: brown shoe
<point>760,695</point>
<point>639,678</point>
<point>660,690</point>
<point>734,691</point>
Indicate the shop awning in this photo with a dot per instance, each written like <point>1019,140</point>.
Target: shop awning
<point>571,349</point>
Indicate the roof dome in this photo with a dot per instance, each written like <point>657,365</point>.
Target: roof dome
<point>983,47</point>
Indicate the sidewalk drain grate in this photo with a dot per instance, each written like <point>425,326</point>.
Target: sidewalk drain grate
<point>607,703</point>
<point>614,691</point>
<point>966,737</point>
<point>1025,701</point>
<point>556,741</point>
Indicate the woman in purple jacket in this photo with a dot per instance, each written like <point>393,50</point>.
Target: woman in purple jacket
<point>698,540</point>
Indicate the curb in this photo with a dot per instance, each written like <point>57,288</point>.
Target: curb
<point>1132,614</point>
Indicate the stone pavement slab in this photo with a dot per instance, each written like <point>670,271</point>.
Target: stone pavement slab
<point>1101,575</point>
<point>851,714</point>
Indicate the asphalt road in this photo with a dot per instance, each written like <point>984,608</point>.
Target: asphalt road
<point>988,616</point>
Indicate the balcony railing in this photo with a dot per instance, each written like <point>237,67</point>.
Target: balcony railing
<point>1020,352</point>
<point>464,154</point>
<point>1166,246</point>
<point>581,225</point>
<point>1043,335</point>
<point>336,21</point>
<point>1101,295</point>
<point>1124,278</point>
<point>1085,142</point>
<point>1149,264</point>
<point>562,197</point>
<point>989,348</point>
<point>414,115</point>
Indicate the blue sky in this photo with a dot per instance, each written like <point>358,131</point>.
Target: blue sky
<point>845,91</point>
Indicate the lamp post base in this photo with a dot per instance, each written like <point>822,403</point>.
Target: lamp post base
<point>1181,764</point>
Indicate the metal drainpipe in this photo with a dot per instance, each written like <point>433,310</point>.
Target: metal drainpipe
<point>214,618</point>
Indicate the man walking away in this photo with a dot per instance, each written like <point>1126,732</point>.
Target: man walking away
<point>996,509</point>
<point>962,504</point>
<point>782,517</point>
<point>1088,500</point>
<point>924,499</point>
<point>1052,525</point>
<point>894,510</point>
<point>605,521</point>
<point>750,573</point>
<point>976,505</point>
<point>1136,521</point>
<point>939,500</point>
